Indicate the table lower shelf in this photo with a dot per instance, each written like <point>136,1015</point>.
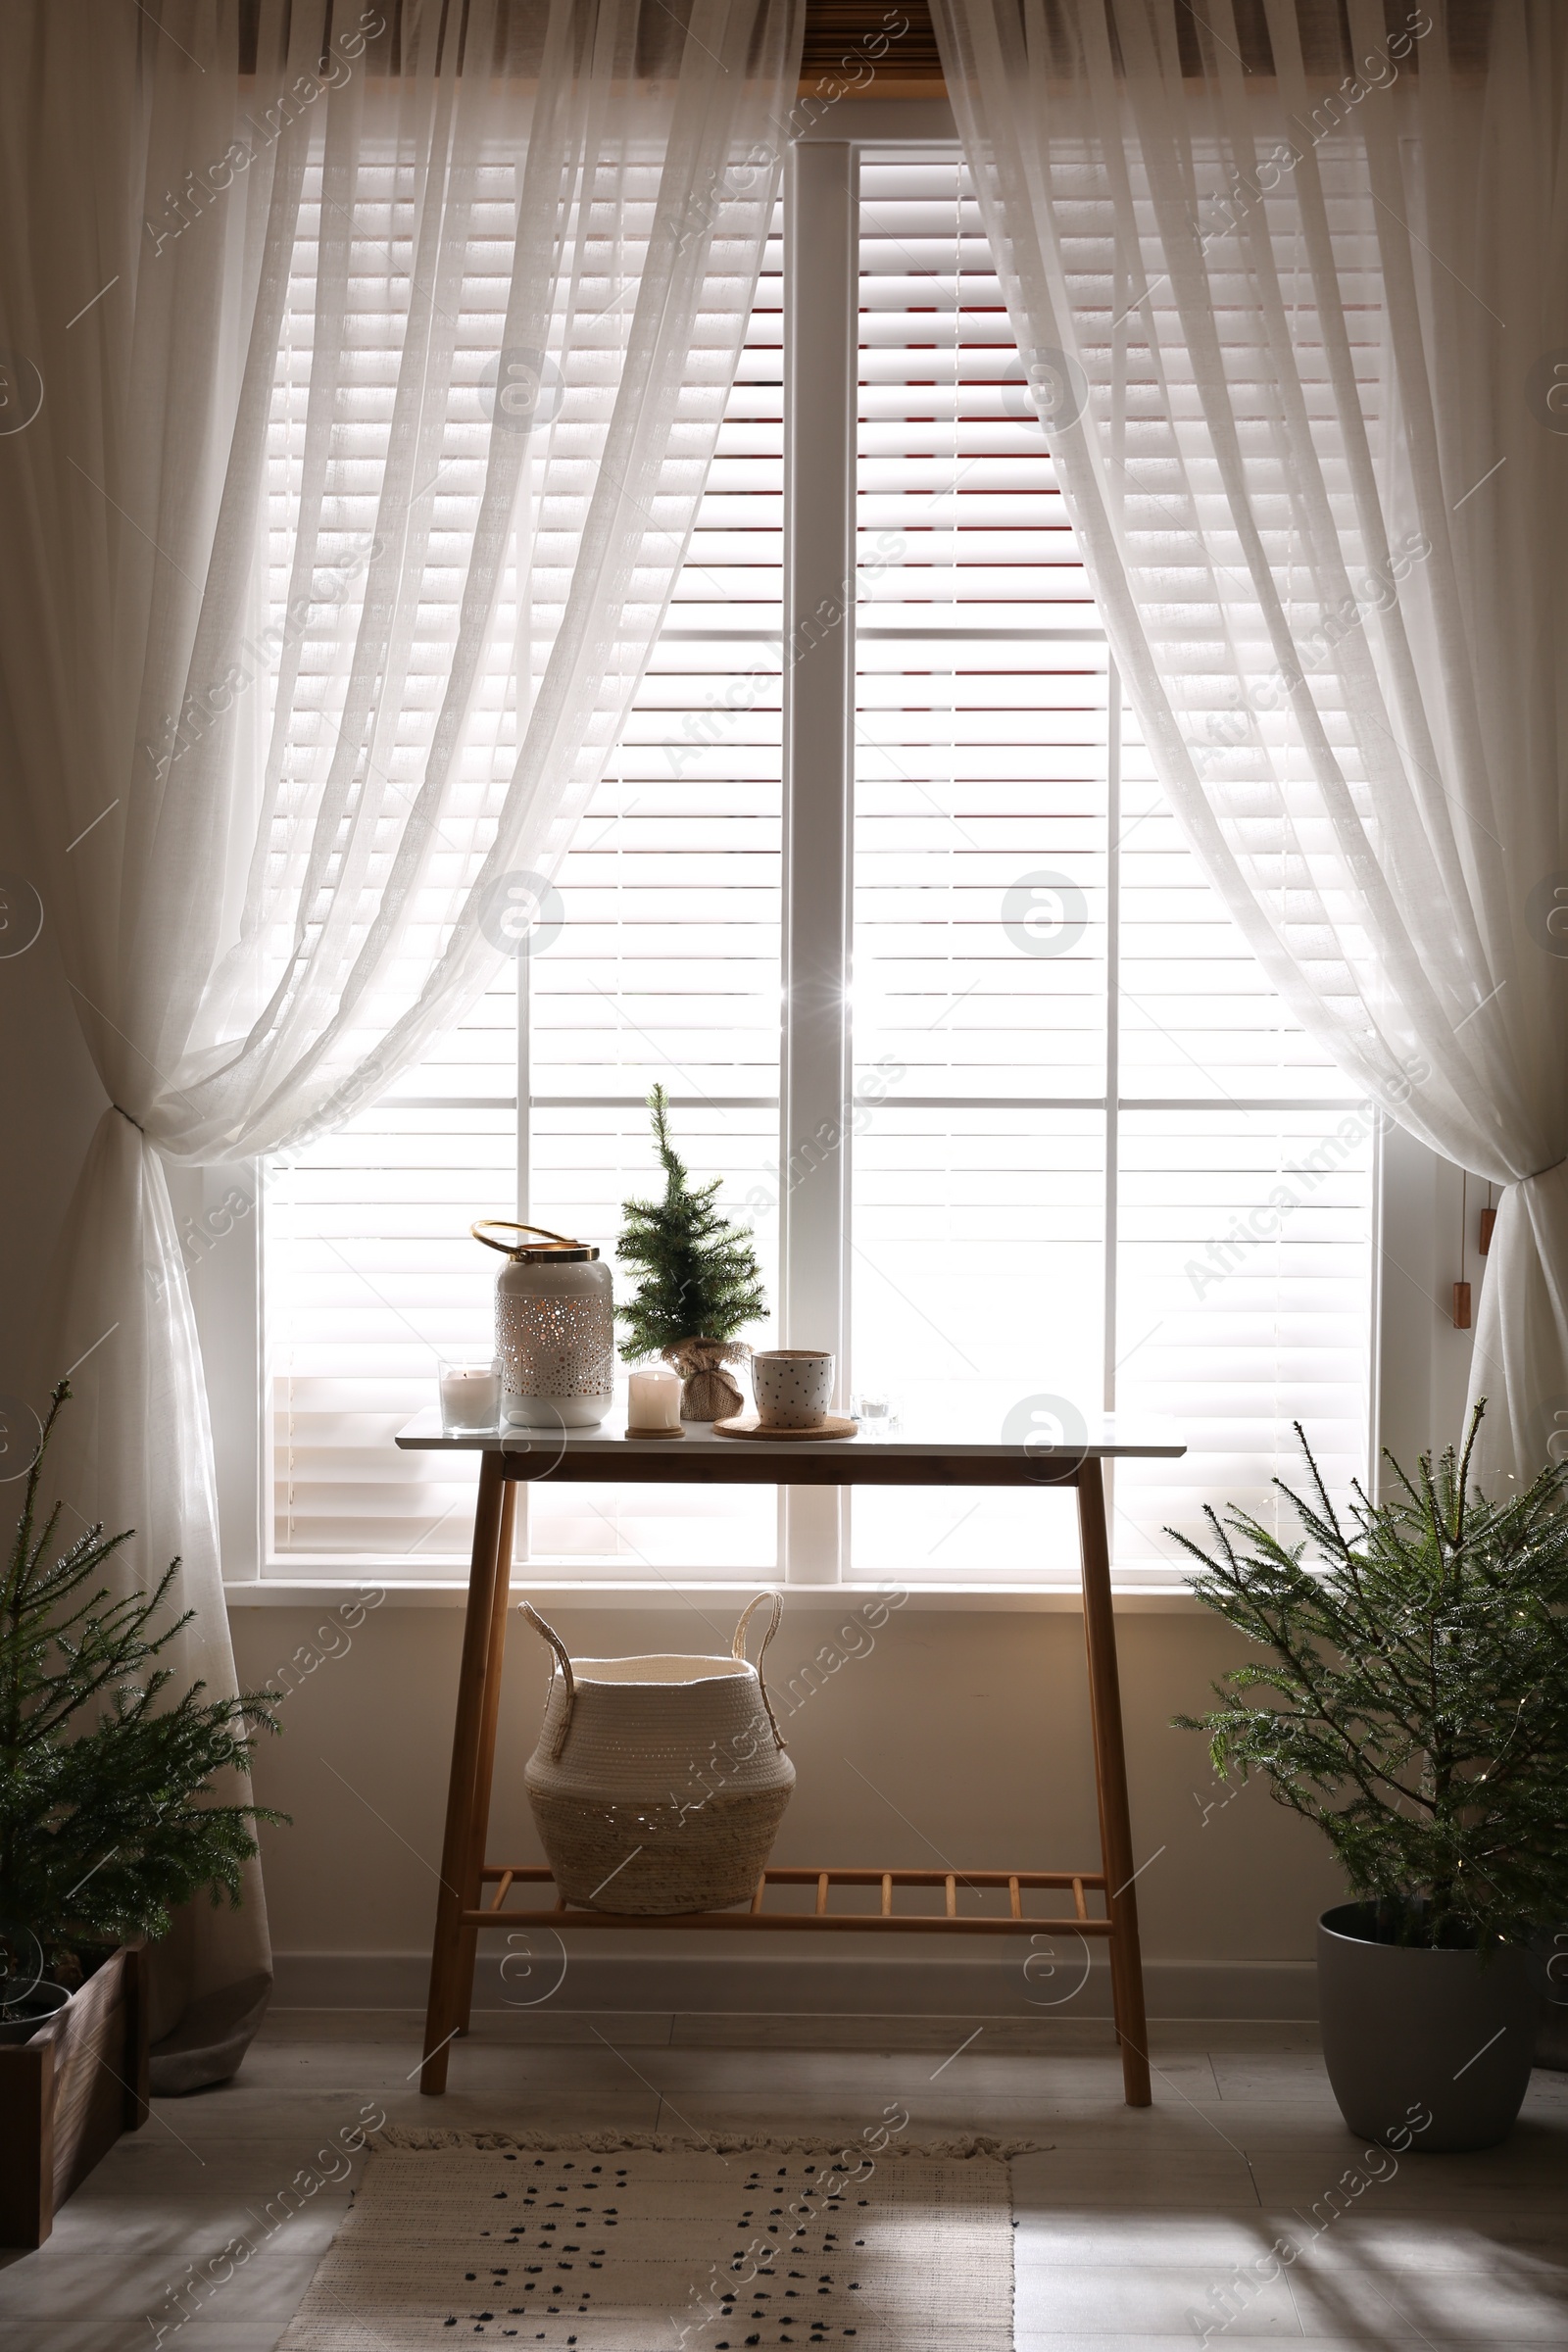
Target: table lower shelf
<point>948,1921</point>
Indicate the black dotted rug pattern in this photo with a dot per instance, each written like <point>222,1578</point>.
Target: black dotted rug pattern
<point>680,2249</point>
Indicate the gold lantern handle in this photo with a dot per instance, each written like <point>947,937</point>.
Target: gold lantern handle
<point>509,1225</point>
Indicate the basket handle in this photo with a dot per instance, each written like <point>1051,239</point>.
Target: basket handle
<point>564,1661</point>
<point>737,1649</point>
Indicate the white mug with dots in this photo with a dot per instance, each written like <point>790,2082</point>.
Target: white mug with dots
<point>792,1386</point>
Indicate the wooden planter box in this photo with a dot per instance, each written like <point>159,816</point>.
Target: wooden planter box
<point>67,2095</point>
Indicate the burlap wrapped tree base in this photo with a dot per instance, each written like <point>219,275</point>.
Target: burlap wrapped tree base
<point>708,1392</point>
<point>649,1857</point>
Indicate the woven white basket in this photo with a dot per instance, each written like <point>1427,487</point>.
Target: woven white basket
<point>658,1783</point>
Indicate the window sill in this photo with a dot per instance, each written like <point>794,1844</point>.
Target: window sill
<point>1140,1599</point>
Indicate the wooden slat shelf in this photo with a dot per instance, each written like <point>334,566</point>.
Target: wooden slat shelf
<point>950,1921</point>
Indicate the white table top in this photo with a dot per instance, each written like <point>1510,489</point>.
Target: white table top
<point>961,1439</point>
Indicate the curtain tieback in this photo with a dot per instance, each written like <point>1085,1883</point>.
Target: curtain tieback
<point>124,1114</point>
<point>1558,1167</point>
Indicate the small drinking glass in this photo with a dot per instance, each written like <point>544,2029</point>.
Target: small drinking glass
<point>877,1414</point>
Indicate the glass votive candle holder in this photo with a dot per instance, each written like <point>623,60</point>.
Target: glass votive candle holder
<point>470,1399</point>
<point>877,1414</point>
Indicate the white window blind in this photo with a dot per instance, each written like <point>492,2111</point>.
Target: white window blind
<point>1093,1102</point>
<point>667,964</point>
<point>1067,1195</point>
<point>368,1272</point>
<point>664,965</point>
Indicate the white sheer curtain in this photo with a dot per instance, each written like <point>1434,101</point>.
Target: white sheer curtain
<point>1295,311</point>
<point>477,279</point>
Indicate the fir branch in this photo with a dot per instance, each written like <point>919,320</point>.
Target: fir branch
<point>1431,1631</point>
<point>699,1278</point>
<point>108,1819</point>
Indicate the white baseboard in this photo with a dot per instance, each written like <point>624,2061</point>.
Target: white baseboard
<point>874,1984</point>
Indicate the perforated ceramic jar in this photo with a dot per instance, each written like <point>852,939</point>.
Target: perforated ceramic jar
<point>555,1335</point>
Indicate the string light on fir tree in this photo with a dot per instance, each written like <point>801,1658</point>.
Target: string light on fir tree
<point>700,1281</point>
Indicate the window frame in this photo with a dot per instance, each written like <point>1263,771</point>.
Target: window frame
<point>816,1071</point>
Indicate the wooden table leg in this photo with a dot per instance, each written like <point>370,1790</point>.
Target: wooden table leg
<point>1110,1787</point>
<point>444,2014</point>
<point>472,1882</point>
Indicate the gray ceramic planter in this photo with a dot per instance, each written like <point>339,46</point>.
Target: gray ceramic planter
<point>1409,2033</point>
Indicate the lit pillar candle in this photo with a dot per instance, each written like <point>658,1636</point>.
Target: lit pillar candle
<point>654,1401</point>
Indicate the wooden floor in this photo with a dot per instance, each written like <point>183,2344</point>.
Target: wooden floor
<point>1134,2230</point>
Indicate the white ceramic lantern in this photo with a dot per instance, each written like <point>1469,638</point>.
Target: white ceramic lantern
<point>554,1329</point>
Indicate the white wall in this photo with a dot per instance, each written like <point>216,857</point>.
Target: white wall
<point>961,1740</point>
<point>963,1735</point>
<point>50,1101</point>
<point>1424,1361</point>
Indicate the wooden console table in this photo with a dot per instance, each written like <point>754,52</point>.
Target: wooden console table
<point>606,1453</point>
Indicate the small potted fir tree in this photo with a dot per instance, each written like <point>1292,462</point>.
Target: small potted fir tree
<point>107,1824</point>
<point>1415,1706</point>
<point>700,1284</point>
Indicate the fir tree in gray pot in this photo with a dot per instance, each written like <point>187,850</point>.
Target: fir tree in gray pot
<point>700,1282</point>
<point>1414,1705</point>
<point>108,1821</point>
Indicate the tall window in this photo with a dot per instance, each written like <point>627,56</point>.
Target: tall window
<point>1091,1163</point>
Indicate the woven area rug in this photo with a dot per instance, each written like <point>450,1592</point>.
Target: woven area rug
<point>641,2244</point>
